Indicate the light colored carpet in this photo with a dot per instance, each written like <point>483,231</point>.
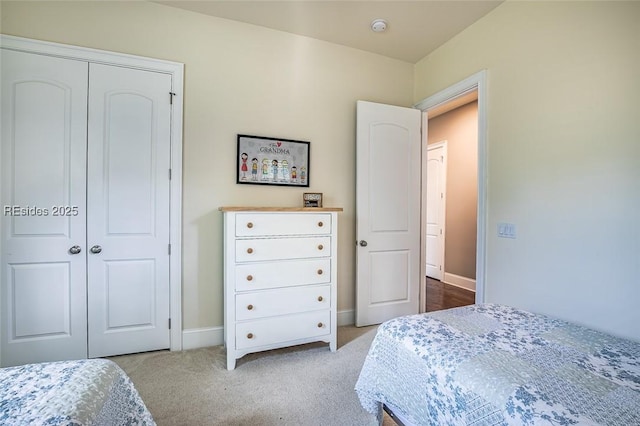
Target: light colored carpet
<point>304,385</point>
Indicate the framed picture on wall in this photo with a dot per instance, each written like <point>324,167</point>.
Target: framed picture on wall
<point>272,161</point>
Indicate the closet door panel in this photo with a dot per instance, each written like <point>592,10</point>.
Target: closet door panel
<point>43,190</point>
<point>128,204</point>
<point>129,173</point>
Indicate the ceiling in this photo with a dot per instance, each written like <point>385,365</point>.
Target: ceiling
<point>414,28</point>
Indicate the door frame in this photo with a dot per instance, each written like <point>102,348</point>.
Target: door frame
<point>443,206</point>
<point>477,81</point>
<point>176,70</point>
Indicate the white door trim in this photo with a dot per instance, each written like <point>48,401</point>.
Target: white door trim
<point>176,70</point>
<point>477,81</point>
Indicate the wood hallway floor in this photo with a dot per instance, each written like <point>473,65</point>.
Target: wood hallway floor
<point>444,296</point>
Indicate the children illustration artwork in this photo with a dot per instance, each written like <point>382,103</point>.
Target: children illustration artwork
<point>272,161</point>
<point>254,169</point>
<point>243,167</point>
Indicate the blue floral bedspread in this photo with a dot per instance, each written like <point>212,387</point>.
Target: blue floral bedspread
<point>83,392</point>
<point>496,365</point>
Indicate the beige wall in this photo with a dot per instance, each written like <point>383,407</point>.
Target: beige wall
<point>563,154</point>
<point>459,128</point>
<point>239,78</point>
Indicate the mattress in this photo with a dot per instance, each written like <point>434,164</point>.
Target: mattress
<point>83,392</point>
<point>497,365</point>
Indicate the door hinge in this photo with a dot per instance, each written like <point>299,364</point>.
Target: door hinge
<point>169,251</point>
<point>171,95</point>
<point>440,269</point>
<point>169,174</point>
<point>440,231</point>
<point>169,323</point>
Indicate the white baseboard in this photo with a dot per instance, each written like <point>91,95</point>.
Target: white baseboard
<point>347,317</point>
<point>202,337</point>
<point>458,281</point>
<point>194,338</point>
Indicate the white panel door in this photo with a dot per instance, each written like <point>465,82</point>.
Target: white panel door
<point>436,190</point>
<point>388,212</point>
<point>43,291</point>
<point>128,205</point>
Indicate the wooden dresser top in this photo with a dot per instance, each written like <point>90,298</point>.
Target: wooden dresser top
<point>280,209</point>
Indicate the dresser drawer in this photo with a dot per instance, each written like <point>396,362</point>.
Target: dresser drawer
<point>266,224</point>
<point>282,329</point>
<point>285,273</point>
<point>282,301</point>
<point>282,248</point>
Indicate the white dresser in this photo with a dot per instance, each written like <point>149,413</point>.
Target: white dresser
<point>279,279</point>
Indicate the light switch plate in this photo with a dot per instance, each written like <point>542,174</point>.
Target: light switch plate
<point>506,230</point>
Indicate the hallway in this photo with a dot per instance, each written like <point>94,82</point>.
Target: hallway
<point>445,296</point>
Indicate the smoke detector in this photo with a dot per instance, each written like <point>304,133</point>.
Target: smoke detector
<point>378,25</point>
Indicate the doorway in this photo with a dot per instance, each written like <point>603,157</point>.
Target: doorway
<point>453,165</point>
<point>472,89</point>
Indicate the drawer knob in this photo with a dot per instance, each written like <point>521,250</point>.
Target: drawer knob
<point>320,299</point>
<point>320,224</point>
<point>319,271</point>
<point>320,325</point>
<point>249,277</point>
<point>249,307</point>
<point>250,336</point>
<point>249,250</point>
<point>320,246</point>
<point>249,225</point>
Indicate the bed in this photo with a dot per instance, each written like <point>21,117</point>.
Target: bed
<point>83,392</point>
<point>496,365</point>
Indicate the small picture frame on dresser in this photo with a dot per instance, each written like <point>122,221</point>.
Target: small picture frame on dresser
<point>312,199</point>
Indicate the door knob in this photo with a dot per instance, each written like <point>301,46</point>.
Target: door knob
<point>75,250</point>
<point>363,243</point>
<point>95,249</point>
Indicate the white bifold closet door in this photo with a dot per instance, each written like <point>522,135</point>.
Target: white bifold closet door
<point>128,210</point>
<point>85,198</point>
<point>44,132</point>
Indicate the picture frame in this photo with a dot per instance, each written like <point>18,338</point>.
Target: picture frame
<point>272,161</point>
<point>312,199</point>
